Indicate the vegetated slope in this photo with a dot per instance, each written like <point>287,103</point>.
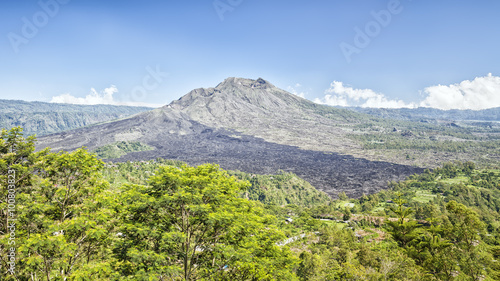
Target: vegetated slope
<point>427,137</point>
<point>429,145</point>
<point>443,224</point>
<point>120,148</point>
<point>478,189</point>
<point>280,189</point>
<point>177,132</point>
<point>432,114</point>
<point>42,118</point>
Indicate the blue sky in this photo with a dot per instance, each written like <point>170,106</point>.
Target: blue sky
<point>154,52</point>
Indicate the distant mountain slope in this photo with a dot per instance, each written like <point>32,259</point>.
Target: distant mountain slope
<point>427,137</point>
<point>45,118</point>
<point>431,114</point>
<point>251,126</point>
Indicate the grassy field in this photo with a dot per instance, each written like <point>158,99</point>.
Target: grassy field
<point>424,196</point>
<point>339,225</point>
<point>379,208</point>
<point>457,180</point>
<point>344,204</point>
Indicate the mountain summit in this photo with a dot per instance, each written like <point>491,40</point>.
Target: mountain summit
<point>258,108</point>
<point>247,125</point>
<point>238,102</point>
<point>238,94</point>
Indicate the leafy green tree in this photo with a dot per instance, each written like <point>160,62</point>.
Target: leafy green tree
<point>465,225</point>
<point>347,214</point>
<point>433,252</point>
<point>189,223</point>
<point>465,233</point>
<point>310,266</point>
<point>62,225</point>
<point>367,257</point>
<point>343,196</point>
<point>403,230</point>
<point>70,217</point>
<point>427,211</point>
<point>17,159</point>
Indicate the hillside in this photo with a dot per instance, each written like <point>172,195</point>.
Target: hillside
<point>439,225</point>
<point>279,189</point>
<point>424,114</point>
<point>42,118</point>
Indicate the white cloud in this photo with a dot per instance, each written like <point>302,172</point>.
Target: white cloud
<point>340,95</point>
<point>296,90</point>
<point>480,93</point>
<point>104,97</point>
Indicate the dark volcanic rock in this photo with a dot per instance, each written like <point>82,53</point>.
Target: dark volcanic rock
<point>329,172</point>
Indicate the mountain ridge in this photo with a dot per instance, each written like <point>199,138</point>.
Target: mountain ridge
<point>430,114</point>
<point>44,118</point>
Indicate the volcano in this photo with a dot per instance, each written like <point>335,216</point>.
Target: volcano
<point>251,126</point>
